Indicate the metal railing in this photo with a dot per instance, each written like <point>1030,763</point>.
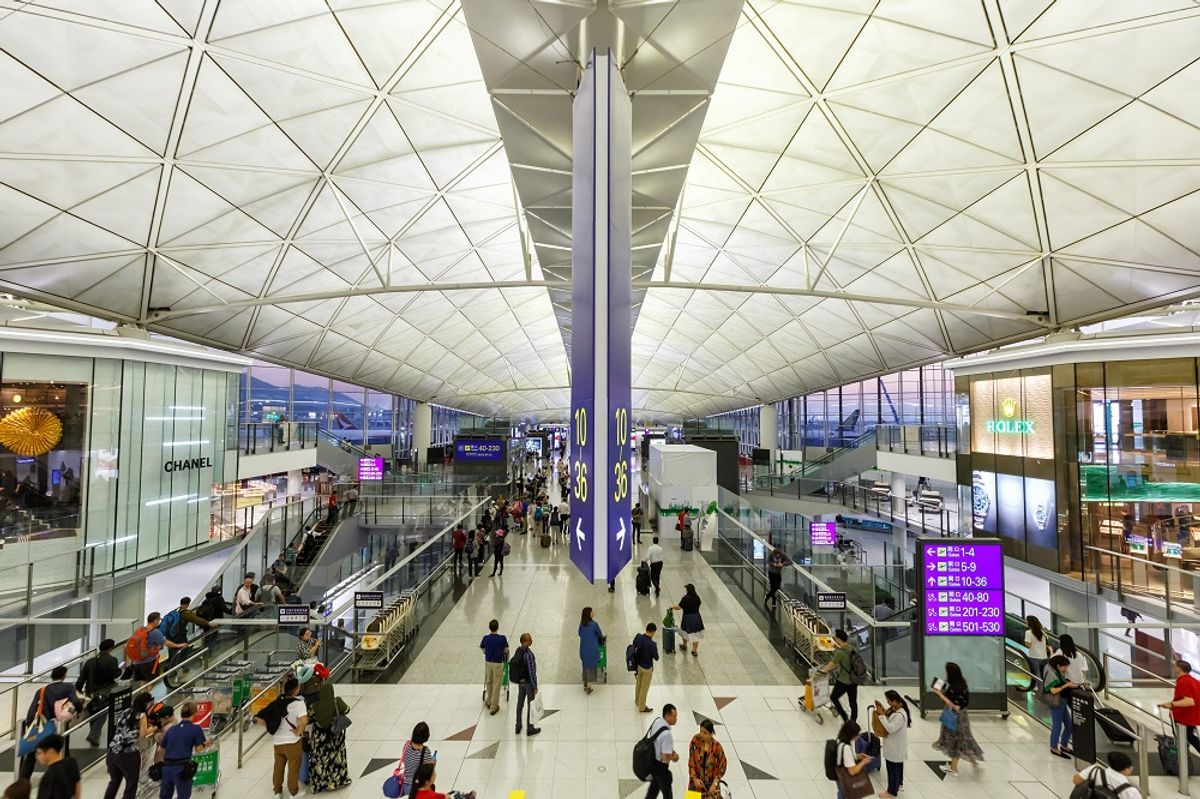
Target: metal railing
<point>929,440</point>
<point>1130,574</point>
<point>257,438</point>
<point>332,438</point>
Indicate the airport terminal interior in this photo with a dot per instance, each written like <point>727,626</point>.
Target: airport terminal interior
<point>818,380</point>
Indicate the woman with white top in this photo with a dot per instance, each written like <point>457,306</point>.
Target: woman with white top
<point>1077,671</point>
<point>853,762</point>
<point>896,720</point>
<point>1036,648</point>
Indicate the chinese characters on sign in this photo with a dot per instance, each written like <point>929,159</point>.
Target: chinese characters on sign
<point>370,469</point>
<point>963,588</point>
<point>824,534</point>
<point>293,615</point>
<point>479,450</point>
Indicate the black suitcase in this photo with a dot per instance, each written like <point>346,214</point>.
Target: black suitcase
<point>686,542</point>
<point>669,640</point>
<point>1168,753</point>
<point>1114,724</point>
<point>643,578</point>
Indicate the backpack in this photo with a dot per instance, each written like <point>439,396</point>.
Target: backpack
<point>831,759</point>
<point>643,754</point>
<point>170,625</point>
<point>537,513</point>
<point>631,655</point>
<point>858,668</point>
<point>1102,790</point>
<point>138,648</point>
<point>275,713</point>
<point>516,666</point>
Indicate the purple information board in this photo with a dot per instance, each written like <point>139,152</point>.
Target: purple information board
<point>964,587</point>
<point>370,469</point>
<point>824,534</point>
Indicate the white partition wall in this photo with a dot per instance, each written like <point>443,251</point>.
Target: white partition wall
<point>682,474</point>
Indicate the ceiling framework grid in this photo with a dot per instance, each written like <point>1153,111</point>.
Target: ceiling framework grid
<point>380,191</point>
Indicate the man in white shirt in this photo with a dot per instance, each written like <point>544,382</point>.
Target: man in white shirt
<point>287,740</point>
<point>1115,776</point>
<point>654,555</point>
<point>243,600</point>
<point>664,753</point>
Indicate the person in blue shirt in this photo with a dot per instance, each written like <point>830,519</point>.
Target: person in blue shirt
<point>51,694</point>
<point>645,653</point>
<point>179,743</point>
<point>591,637</point>
<point>145,668</point>
<point>495,653</point>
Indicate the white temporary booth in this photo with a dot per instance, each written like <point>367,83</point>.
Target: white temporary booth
<point>678,475</point>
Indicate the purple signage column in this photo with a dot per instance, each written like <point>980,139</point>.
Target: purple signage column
<point>601,325</point>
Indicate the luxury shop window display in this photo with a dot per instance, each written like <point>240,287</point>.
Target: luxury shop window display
<point>1139,458</point>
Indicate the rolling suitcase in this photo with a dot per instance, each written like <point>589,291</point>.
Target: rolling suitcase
<point>687,541</point>
<point>1113,723</point>
<point>870,743</point>
<point>643,578</point>
<point>545,541</point>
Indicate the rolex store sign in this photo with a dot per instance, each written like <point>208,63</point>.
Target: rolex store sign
<point>1012,416</point>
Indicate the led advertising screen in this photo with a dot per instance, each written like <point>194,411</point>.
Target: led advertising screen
<point>964,587</point>
<point>479,449</point>
<point>370,469</point>
<point>824,534</point>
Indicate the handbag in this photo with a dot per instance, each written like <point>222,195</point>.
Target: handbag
<point>39,729</point>
<point>877,725</point>
<point>340,723</point>
<point>949,719</point>
<point>855,786</point>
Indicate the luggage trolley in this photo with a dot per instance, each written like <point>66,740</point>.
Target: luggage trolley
<point>208,771</point>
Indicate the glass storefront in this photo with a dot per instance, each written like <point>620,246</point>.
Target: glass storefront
<point>114,459</point>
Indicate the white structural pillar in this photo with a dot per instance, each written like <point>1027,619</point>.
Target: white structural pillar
<point>899,492</point>
<point>422,430</point>
<point>768,430</point>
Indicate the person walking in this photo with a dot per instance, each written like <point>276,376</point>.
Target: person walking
<point>1056,692</point>
<point>955,739</point>
<point>351,500</point>
<point>413,756</point>
<point>61,779</point>
<point>331,509</point>
<point>1185,704</point>
<point>1036,642</point>
<point>179,743</point>
<point>481,547</point>
<point>776,561</point>
<point>555,525</point>
<point>328,767</point>
<point>1115,776</point>
<point>645,652</point>
<point>245,600</point>
<point>522,670</point>
<point>848,759</point>
<point>706,762</point>
<point>591,638</point>
<point>43,702</point>
<point>460,545</point>
<point>896,719</point>
<point>654,556</point>
<point>495,653</point>
<point>97,679</point>
<point>287,740</point>
<point>123,760</point>
<point>691,624</point>
<point>1078,669</point>
<point>499,545</point>
<point>175,624</point>
<point>842,667</point>
<point>664,753</point>
<point>636,516</point>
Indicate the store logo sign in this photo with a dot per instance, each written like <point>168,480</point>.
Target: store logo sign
<point>187,464</point>
<point>1009,423</point>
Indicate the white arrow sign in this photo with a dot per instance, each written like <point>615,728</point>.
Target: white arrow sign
<point>579,536</point>
<point>621,536</point>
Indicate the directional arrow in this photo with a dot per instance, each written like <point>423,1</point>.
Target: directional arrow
<point>579,536</point>
<point>621,535</point>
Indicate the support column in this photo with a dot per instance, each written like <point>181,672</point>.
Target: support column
<point>768,430</point>
<point>899,493</point>
<point>601,321</point>
<point>422,431</point>
<point>295,482</point>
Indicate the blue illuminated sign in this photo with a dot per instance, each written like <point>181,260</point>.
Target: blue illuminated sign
<point>479,449</point>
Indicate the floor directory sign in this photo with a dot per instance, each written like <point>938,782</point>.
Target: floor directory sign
<point>601,529</point>
<point>963,581</point>
<point>823,534</point>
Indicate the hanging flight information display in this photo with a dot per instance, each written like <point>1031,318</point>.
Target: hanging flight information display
<point>963,587</point>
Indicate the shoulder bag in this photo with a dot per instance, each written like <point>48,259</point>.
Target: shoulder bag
<point>949,719</point>
<point>854,786</point>
<point>40,728</point>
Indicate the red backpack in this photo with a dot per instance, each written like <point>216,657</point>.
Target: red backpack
<point>138,648</point>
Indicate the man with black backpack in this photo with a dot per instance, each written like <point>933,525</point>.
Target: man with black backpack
<point>654,754</point>
<point>286,718</point>
<point>849,672</point>
<point>174,628</point>
<point>1098,782</point>
<point>522,670</point>
<point>97,679</point>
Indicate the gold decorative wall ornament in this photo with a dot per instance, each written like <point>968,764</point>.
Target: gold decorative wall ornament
<point>30,431</point>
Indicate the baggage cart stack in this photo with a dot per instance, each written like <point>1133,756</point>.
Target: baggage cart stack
<point>388,632</point>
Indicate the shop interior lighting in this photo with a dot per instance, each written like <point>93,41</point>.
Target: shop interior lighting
<point>169,499</point>
<point>183,443</point>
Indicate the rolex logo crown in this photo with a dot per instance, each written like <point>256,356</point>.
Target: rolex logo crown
<point>1008,408</point>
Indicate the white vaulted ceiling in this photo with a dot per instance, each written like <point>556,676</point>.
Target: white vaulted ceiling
<point>875,185</point>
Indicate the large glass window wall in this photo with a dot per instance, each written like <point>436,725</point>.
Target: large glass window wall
<point>355,414</point>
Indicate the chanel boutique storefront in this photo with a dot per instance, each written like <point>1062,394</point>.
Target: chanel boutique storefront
<point>110,445</point>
